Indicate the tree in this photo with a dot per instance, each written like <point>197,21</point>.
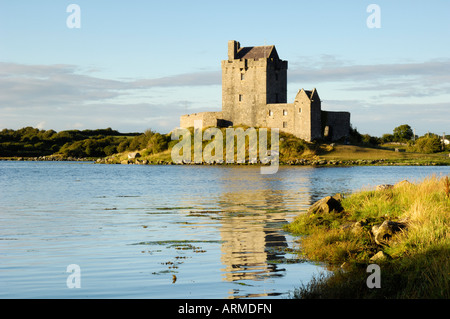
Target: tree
<point>403,133</point>
<point>427,144</point>
<point>370,140</point>
<point>387,138</point>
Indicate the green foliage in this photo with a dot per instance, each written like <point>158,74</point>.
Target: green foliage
<point>355,136</point>
<point>32,142</point>
<point>403,133</point>
<point>419,255</point>
<point>426,144</point>
<point>151,141</point>
<point>370,140</point>
<point>366,139</point>
<point>292,146</point>
<point>387,138</point>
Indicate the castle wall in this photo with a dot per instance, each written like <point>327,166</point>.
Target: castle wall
<point>338,124</point>
<point>280,116</point>
<point>243,90</point>
<point>316,131</point>
<point>249,84</point>
<point>254,93</point>
<point>276,81</point>
<point>207,118</point>
<point>307,115</point>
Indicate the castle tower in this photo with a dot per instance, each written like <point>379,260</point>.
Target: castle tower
<point>254,93</point>
<point>252,77</point>
<point>307,115</point>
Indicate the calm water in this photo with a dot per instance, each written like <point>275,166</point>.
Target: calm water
<point>132,228</point>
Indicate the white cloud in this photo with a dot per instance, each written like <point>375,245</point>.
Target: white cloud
<point>379,97</point>
<point>436,69</point>
<point>40,125</point>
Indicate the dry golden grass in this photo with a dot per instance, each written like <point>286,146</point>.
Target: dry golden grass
<point>420,255</point>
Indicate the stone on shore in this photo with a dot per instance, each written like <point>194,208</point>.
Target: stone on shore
<point>380,256</point>
<point>134,155</point>
<point>382,233</point>
<point>384,187</point>
<point>327,205</point>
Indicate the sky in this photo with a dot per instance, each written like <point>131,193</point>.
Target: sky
<point>138,65</point>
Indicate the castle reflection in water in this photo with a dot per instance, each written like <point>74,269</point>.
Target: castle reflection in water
<point>251,218</point>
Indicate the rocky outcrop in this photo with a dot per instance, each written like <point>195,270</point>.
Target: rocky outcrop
<point>356,227</point>
<point>390,186</point>
<point>134,155</point>
<point>384,187</point>
<point>382,233</point>
<point>327,205</point>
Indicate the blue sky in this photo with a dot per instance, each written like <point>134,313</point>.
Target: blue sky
<point>135,65</point>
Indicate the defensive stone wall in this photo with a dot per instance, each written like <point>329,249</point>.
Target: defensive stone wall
<point>279,115</point>
<point>338,124</point>
<point>207,118</point>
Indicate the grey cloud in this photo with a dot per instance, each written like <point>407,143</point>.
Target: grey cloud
<point>433,69</point>
<point>397,80</point>
<point>188,79</point>
<point>24,85</point>
<point>49,93</point>
<point>380,118</point>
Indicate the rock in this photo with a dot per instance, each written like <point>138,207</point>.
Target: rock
<point>357,227</point>
<point>379,256</point>
<point>326,205</point>
<point>125,162</point>
<point>382,233</point>
<point>134,155</point>
<point>384,187</point>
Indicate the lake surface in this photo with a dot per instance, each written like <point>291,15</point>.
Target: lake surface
<point>163,231</point>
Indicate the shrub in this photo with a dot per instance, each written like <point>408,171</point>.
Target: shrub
<point>426,144</point>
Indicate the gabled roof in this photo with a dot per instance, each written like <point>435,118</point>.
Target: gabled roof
<point>257,52</point>
<point>309,94</point>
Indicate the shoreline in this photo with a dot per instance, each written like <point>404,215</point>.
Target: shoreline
<point>299,162</point>
<point>401,230</point>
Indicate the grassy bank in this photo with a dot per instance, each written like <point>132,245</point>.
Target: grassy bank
<point>414,262</point>
<point>110,146</point>
<point>294,151</point>
<point>388,155</point>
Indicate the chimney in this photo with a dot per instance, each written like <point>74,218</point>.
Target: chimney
<point>233,48</point>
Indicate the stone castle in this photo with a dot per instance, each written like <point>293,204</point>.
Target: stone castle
<point>254,93</point>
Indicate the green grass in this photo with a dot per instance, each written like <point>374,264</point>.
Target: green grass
<point>353,152</point>
<point>419,263</point>
<point>292,149</point>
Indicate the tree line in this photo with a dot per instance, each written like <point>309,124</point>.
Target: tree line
<point>404,135</point>
<point>33,142</point>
